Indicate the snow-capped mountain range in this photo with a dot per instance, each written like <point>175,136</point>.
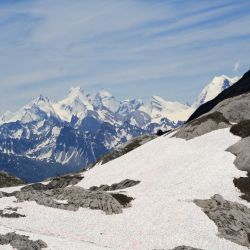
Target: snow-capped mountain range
<point>72,133</point>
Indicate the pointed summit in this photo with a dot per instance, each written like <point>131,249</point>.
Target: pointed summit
<point>216,86</point>
<point>104,99</point>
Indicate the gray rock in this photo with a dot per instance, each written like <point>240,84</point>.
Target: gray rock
<point>202,125</point>
<point>7,180</point>
<point>121,185</point>
<point>3,214</point>
<point>235,109</point>
<point>241,151</point>
<point>231,218</point>
<point>76,197</point>
<point>21,242</point>
<point>57,182</point>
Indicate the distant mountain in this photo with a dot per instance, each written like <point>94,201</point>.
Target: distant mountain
<point>75,132</point>
<point>217,85</point>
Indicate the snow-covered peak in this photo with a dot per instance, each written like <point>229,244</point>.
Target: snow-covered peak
<point>105,99</point>
<point>75,104</point>
<point>76,92</point>
<point>216,86</point>
<point>175,111</point>
<point>37,109</point>
<point>129,105</point>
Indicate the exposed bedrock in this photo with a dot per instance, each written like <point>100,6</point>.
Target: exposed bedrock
<point>21,242</point>
<point>202,125</point>
<point>121,185</point>
<point>231,218</point>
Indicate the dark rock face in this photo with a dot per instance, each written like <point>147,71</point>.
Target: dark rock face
<point>121,185</point>
<point>202,125</point>
<point>241,129</point>
<point>239,88</point>
<point>231,218</point>
<point>21,242</point>
<point>7,180</point>
<point>243,184</point>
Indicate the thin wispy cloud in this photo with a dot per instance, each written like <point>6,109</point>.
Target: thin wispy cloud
<point>236,66</point>
<point>162,47</point>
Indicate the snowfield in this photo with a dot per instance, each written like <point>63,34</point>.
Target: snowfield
<point>173,172</point>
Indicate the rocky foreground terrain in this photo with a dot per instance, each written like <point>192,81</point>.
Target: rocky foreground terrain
<point>185,190</point>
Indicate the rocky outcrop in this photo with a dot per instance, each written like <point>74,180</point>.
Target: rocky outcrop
<point>202,125</point>
<point>241,129</point>
<point>241,151</point>
<point>7,180</point>
<point>57,182</point>
<point>121,185</point>
<point>243,184</point>
<point>231,218</point>
<point>72,198</point>
<point>10,213</point>
<point>21,242</point>
<point>235,109</point>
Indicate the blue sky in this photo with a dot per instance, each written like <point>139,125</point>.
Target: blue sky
<point>133,48</point>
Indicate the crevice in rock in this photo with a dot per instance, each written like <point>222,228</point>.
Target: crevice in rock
<point>21,242</point>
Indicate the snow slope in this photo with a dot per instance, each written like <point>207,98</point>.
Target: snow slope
<point>172,172</point>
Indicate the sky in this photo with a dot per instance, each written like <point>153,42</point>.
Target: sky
<point>133,48</point>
